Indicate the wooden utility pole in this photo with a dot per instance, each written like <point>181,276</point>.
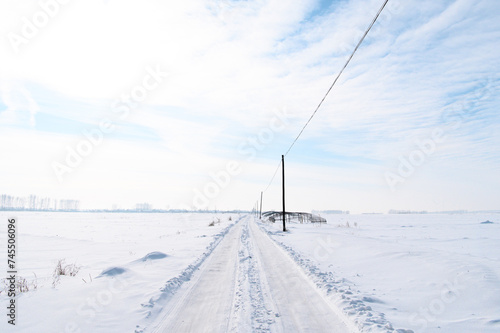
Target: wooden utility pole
<point>283,178</point>
<point>260,205</point>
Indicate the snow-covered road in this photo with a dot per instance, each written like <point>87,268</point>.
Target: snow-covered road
<point>248,284</point>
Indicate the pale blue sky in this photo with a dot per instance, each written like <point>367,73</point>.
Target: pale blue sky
<point>239,80</point>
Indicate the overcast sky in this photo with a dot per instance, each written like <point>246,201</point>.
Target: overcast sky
<point>190,104</point>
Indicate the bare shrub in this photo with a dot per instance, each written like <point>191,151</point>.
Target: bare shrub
<point>22,285</point>
<point>63,269</point>
<point>346,225</point>
<point>216,220</point>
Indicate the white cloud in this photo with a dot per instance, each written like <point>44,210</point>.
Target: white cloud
<point>232,64</point>
<point>21,108</point>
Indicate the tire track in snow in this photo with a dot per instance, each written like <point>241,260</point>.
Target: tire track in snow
<point>339,292</point>
<point>300,305</point>
<point>204,304</point>
<point>172,286</point>
<point>248,284</point>
<point>251,308</point>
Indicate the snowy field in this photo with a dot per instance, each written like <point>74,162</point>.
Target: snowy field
<point>122,262</point>
<point>142,272</point>
<point>428,273</point>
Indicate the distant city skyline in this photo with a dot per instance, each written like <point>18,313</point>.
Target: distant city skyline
<point>34,203</point>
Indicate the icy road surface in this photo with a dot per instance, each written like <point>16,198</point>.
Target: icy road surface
<point>248,284</point>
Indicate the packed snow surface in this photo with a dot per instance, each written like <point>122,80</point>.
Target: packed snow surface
<point>426,273</point>
<point>250,285</point>
<point>173,272</point>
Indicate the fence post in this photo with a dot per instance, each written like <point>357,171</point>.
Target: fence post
<point>260,205</point>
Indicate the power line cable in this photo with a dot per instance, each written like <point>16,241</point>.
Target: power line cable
<point>340,73</point>
<point>331,87</point>
<point>275,172</point>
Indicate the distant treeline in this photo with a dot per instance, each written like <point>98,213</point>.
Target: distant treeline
<point>394,211</point>
<point>330,212</point>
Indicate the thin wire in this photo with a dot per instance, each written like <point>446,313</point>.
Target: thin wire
<point>340,73</point>
<point>275,172</point>
<point>331,87</point>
